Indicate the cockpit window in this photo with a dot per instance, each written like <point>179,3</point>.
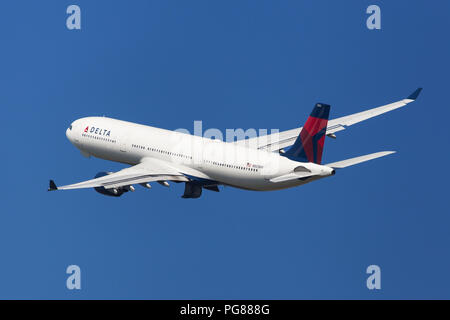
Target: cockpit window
<point>70,127</point>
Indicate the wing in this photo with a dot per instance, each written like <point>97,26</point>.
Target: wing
<point>146,171</point>
<point>277,141</point>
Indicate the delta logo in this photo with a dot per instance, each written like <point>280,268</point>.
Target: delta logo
<point>98,131</point>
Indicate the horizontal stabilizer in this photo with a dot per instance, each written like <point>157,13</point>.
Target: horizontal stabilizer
<point>353,161</point>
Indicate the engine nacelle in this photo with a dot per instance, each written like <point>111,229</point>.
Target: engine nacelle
<point>114,192</point>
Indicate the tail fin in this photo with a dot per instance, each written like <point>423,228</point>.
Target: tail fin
<point>309,145</point>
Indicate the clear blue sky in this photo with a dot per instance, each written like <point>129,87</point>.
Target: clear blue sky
<point>231,64</point>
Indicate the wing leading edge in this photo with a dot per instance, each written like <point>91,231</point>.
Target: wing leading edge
<point>147,171</point>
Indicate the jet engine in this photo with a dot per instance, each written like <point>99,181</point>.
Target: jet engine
<point>113,192</point>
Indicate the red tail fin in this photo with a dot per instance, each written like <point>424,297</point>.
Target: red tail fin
<point>309,145</point>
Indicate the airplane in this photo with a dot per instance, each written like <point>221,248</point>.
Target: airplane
<point>260,163</point>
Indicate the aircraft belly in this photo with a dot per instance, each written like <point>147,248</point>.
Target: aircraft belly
<point>251,182</point>
<point>263,184</point>
<point>111,154</point>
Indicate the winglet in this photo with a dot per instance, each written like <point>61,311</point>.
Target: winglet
<point>415,94</point>
<point>52,186</point>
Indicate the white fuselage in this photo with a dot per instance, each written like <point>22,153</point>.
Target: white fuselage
<point>194,156</point>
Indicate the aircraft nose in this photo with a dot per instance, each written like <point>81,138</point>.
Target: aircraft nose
<point>69,133</point>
